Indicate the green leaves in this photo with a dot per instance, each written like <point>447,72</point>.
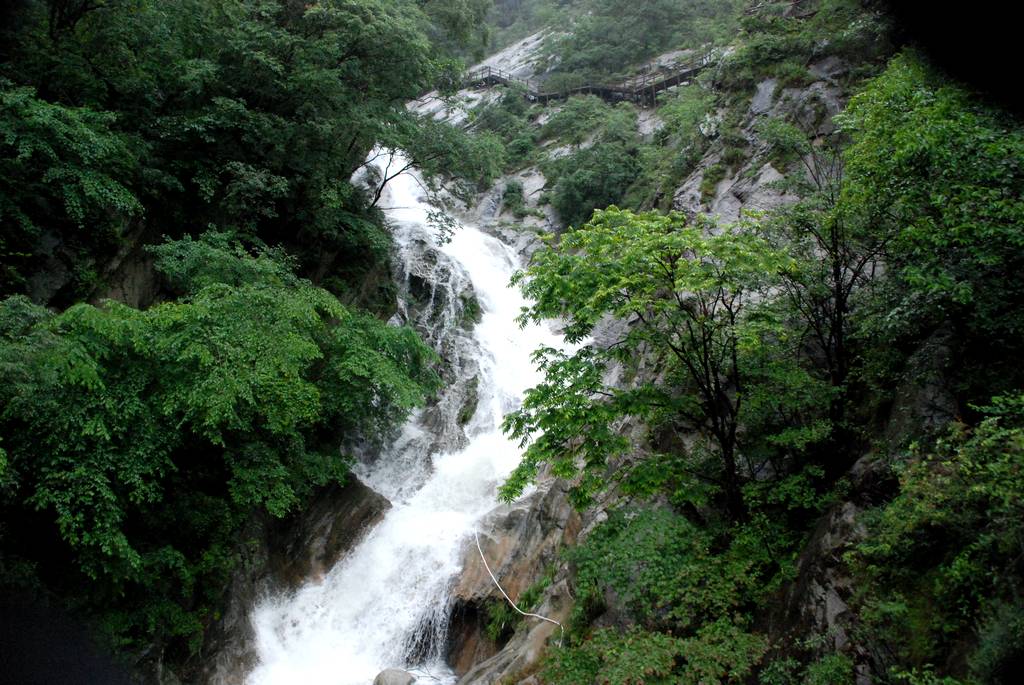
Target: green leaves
<point>595,176</point>
<point>64,170</point>
<point>244,115</point>
<point>236,398</point>
<point>694,296</point>
<point>944,554</point>
<point>571,426</point>
<point>943,172</point>
<point>620,263</point>
<point>687,601</point>
<point>611,34</point>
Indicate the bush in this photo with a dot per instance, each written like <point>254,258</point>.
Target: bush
<point>512,199</point>
<point>503,620</point>
<point>598,176</point>
<point>713,175</point>
<point>508,118</point>
<point>944,554</point>
<point>139,442</point>
<point>719,653</point>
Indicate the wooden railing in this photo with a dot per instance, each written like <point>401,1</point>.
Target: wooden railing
<point>641,90</point>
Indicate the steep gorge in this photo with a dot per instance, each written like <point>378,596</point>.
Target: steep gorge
<point>859,521</point>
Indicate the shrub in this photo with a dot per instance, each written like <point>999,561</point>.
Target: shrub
<point>713,175</point>
<point>944,554</point>
<point>512,198</point>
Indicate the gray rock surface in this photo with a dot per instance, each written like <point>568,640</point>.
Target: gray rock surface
<point>521,657</point>
<point>924,402</point>
<point>394,676</point>
<point>762,101</point>
<point>520,541</point>
<point>817,602</point>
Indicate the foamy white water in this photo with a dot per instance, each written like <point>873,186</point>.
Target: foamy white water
<point>386,604</point>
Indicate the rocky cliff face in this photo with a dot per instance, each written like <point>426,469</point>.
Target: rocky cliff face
<point>817,602</point>
<point>520,542</point>
<point>754,184</point>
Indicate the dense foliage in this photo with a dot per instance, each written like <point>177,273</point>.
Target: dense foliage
<point>942,174</point>
<point>944,557</point>
<point>147,437</point>
<point>761,360</point>
<point>608,35</point>
<point>606,38</point>
<point>139,439</point>
<point>244,115</point>
<point>717,350</point>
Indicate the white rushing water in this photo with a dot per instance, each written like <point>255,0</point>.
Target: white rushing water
<point>386,603</point>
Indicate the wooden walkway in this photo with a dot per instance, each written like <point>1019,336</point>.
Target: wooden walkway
<point>642,90</point>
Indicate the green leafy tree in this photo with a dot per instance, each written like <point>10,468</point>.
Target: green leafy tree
<point>247,115</point>
<point>693,296</point>
<point>63,170</point>
<point>139,442</point>
<point>839,249</point>
<point>598,175</point>
<point>685,602</point>
<point>940,171</point>
<point>610,34</point>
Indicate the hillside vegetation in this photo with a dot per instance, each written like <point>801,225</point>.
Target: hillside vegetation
<point>213,146</point>
<point>764,359</point>
<point>797,431</point>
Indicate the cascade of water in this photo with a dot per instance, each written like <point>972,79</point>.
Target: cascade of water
<point>386,603</point>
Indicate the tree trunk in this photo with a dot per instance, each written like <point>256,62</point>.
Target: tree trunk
<point>734,504</point>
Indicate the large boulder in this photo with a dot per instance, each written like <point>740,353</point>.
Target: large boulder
<point>333,522</point>
<point>520,658</point>
<point>816,603</point>
<point>520,541</point>
<point>394,676</point>
<point>924,403</point>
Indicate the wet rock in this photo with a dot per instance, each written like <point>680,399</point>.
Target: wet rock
<point>648,123</point>
<point>519,541</point>
<point>522,59</point>
<point>394,676</point>
<point>687,198</point>
<point>811,108</point>
<point>55,274</point>
<point>924,402</point>
<point>762,101</point>
<point>759,192</point>
<point>520,658</point>
<point>817,602</point>
<point>471,401</point>
<point>130,276</point>
<point>437,298</point>
<point>829,68</point>
<point>334,522</point>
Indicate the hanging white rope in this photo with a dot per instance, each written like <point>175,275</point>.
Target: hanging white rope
<point>500,589</point>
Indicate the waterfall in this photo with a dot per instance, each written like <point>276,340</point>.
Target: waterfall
<point>386,603</point>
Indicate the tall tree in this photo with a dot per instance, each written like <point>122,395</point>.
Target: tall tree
<point>693,298</point>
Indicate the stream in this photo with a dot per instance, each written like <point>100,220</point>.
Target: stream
<point>386,603</point>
